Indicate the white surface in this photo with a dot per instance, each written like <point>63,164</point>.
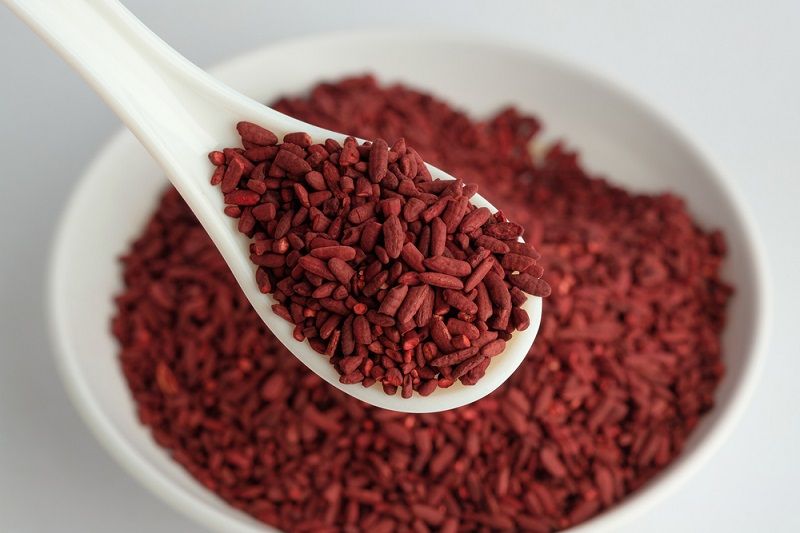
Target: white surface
<point>614,132</point>
<point>180,113</point>
<point>727,74</point>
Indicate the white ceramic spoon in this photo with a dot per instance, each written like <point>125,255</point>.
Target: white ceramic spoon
<point>180,113</point>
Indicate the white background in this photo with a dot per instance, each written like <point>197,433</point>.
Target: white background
<point>727,72</point>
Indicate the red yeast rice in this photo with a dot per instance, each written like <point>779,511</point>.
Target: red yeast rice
<point>625,364</point>
<point>395,277</point>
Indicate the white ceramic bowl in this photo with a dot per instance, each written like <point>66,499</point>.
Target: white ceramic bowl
<point>615,132</point>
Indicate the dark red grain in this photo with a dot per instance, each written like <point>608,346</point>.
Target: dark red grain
<point>355,236</point>
<point>625,363</point>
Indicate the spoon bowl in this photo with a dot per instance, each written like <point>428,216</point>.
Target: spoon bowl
<point>180,113</point>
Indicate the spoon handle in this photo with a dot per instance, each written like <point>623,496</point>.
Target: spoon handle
<point>176,110</point>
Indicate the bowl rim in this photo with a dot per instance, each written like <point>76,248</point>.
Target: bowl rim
<point>665,483</point>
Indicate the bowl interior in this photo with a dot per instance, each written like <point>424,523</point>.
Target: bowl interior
<point>616,135</point>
